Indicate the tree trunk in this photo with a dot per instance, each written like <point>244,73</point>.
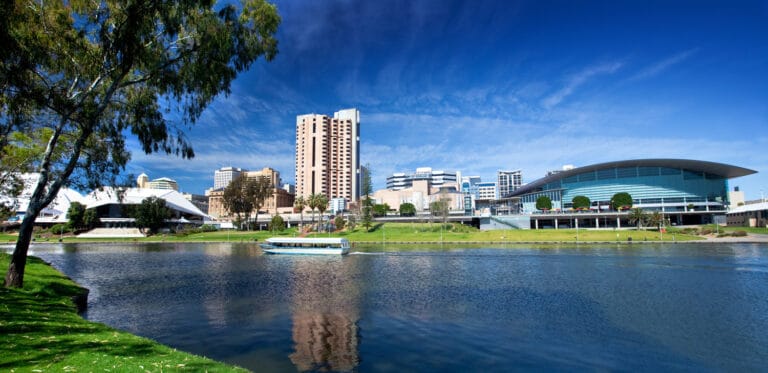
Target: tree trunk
<point>15,275</point>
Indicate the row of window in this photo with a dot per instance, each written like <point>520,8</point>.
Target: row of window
<point>633,172</point>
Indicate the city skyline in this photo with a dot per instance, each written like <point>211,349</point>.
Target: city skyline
<point>478,87</point>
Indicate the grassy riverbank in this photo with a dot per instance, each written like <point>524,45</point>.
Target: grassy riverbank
<point>408,233</point>
<point>40,331</point>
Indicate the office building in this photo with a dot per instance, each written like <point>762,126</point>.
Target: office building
<point>487,191</point>
<point>328,155</point>
<point>223,176</point>
<point>434,178</point>
<point>269,173</point>
<point>143,182</point>
<point>508,182</point>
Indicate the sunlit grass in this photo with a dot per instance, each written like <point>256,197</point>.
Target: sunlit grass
<point>40,331</point>
<point>416,232</point>
<point>436,232</point>
<point>754,230</point>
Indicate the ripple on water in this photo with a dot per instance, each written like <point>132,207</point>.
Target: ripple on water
<point>655,307</point>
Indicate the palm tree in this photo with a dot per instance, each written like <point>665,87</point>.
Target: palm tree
<point>321,204</point>
<point>656,219</point>
<point>637,215</point>
<point>299,203</point>
<point>312,204</point>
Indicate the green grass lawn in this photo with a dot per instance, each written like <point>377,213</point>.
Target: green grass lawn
<point>40,331</point>
<point>411,232</point>
<point>753,230</point>
<point>425,232</point>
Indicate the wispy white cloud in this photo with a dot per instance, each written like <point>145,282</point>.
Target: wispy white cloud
<point>578,80</point>
<point>664,64</point>
<point>482,146</point>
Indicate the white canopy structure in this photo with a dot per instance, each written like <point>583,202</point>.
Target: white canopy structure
<point>56,212</point>
<point>110,199</point>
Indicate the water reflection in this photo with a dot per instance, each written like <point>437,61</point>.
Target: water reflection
<point>325,298</point>
<point>561,308</point>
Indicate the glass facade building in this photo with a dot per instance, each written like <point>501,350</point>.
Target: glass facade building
<point>654,184</point>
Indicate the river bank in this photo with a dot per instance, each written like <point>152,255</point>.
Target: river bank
<point>40,330</point>
<point>429,233</point>
<point>431,308</point>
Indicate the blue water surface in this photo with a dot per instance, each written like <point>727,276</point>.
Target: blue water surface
<point>695,307</point>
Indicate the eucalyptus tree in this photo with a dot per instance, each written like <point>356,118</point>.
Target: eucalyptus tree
<point>259,190</point>
<point>234,201</point>
<point>151,214</point>
<point>91,218</point>
<point>245,195</point>
<point>95,72</point>
<point>76,215</point>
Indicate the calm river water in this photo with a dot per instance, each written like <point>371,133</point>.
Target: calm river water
<point>640,307</point>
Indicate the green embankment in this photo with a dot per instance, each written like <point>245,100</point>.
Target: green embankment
<point>410,232</point>
<point>40,331</point>
<point>435,232</point>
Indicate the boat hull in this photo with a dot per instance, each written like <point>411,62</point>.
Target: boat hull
<point>302,251</point>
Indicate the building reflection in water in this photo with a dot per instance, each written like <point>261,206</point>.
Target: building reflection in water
<point>325,305</point>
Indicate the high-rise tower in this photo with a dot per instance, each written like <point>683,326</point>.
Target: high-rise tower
<point>328,155</point>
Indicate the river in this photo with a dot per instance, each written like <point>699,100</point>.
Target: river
<point>631,307</point>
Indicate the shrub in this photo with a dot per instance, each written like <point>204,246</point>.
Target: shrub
<point>739,234</point>
<point>621,201</point>
<point>339,222</point>
<point>59,229</point>
<point>581,203</point>
<point>543,203</point>
<point>407,209</point>
<point>277,223</point>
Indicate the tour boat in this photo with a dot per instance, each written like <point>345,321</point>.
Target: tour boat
<point>306,245</point>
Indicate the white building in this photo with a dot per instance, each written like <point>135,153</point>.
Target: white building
<point>487,190</point>
<point>434,178</point>
<point>508,181</point>
<point>223,176</point>
<point>143,182</point>
<point>421,196</point>
<point>109,204</point>
<point>338,205</point>
<point>55,212</point>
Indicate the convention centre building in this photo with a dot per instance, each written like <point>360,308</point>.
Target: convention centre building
<point>686,191</point>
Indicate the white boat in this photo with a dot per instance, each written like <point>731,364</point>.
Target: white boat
<point>306,245</point>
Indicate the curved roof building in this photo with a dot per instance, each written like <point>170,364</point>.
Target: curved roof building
<point>654,184</point>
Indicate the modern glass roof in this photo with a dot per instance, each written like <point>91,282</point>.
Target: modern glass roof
<point>725,170</point>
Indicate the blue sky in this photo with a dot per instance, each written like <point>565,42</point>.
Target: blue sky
<point>478,86</point>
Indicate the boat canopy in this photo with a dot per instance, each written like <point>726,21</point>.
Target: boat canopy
<point>304,240</point>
